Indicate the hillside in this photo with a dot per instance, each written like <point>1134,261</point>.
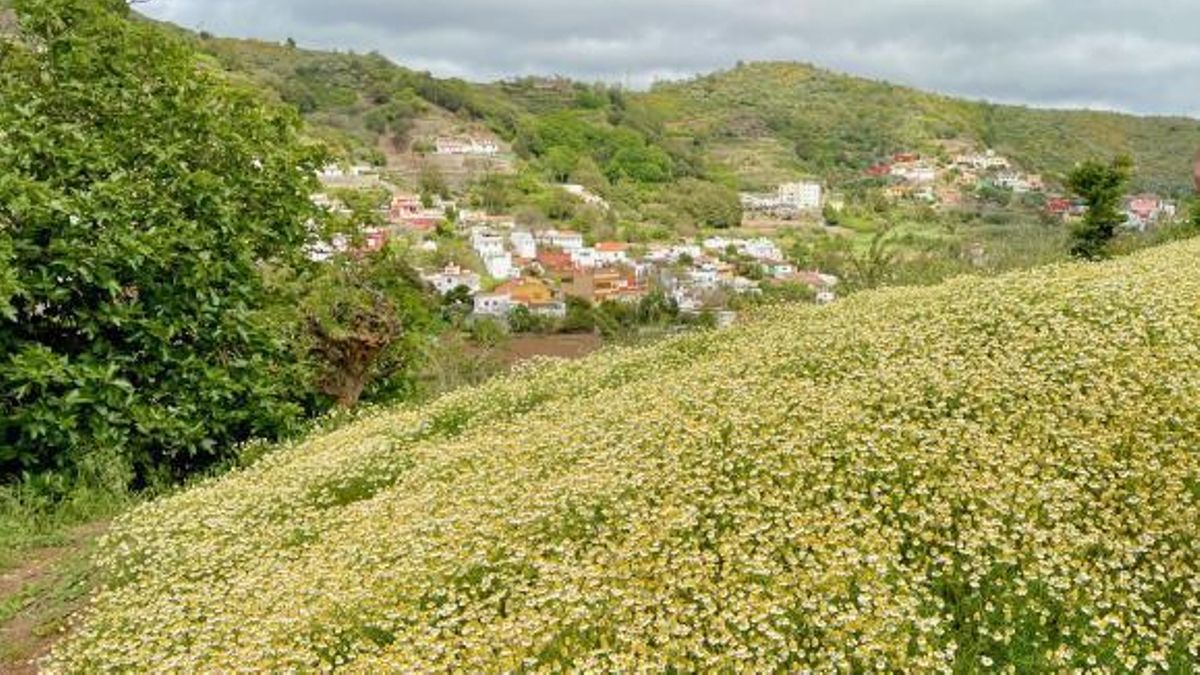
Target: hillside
<point>772,119</point>
<point>979,474</point>
<point>760,123</point>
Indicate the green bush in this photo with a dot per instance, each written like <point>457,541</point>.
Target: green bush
<point>139,195</point>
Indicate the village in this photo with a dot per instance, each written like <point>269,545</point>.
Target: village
<point>542,270</point>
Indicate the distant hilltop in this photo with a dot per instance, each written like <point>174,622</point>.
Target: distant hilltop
<point>766,123</point>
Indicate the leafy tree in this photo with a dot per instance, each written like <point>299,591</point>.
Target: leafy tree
<point>367,317</point>
<point>1101,186</point>
<point>579,318</point>
<point>831,216</point>
<point>560,161</point>
<point>140,194</point>
<point>708,204</point>
<point>432,183</point>
<point>615,319</point>
<point>656,307</point>
<point>457,305</point>
<point>521,319</point>
<point>644,164</point>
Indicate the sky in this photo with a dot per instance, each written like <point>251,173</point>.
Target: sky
<point>1138,56</point>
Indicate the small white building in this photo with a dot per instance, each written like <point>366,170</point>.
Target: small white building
<point>500,266</point>
<point>451,277</point>
<point>760,249</point>
<point>523,244</point>
<point>717,244</point>
<point>804,195</point>
<point>493,304</point>
<point>705,275</point>
<point>487,243</point>
<point>611,253</point>
<point>679,251</point>
<point>584,258</point>
<point>915,174</point>
<point>567,240</point>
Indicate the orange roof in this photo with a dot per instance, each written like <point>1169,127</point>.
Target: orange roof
<point>611,246</point>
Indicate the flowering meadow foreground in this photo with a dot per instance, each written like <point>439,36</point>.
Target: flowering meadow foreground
<point>985,474</point>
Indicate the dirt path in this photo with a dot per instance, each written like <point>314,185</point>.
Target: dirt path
<point>39,595</point>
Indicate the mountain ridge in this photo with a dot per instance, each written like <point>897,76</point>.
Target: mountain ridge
<point>820,122</point>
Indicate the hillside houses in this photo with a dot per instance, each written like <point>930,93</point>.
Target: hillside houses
<point>789,199</point>
<point>984,161</point>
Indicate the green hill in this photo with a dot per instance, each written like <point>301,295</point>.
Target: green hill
<point>753,125</point>
<point>975,475</point>
<point>814,120</point>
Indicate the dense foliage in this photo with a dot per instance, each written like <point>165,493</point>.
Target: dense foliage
<point>366,318</point>
<point>983,475</point>
<point>1101,186</point>
<point>139,194</point>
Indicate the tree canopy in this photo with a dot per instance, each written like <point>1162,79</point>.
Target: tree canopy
<point>140,192</point>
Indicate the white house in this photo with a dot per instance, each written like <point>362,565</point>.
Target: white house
<point>451,277</point>
<point>564,239</point>
<point>523,244</point>
<point>487,243</point>
<point>804,195</point>
<point>611,253</point>
<point>717,243</point>
<point>686,300</point>
<point>500,266</point>
<point>915,174</point>
<point>705,276</point>
<point>760,249</point>
<point>982,161</point>
<point>680,250</point>
<point>583,257</point>
<point>493,304</point>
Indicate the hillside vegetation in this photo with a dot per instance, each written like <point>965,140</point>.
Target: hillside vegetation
<point>761,122</point>
<point>974,475</point>
<point>826,122</point>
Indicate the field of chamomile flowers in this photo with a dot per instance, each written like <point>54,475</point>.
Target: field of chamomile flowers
<point>987,475</point>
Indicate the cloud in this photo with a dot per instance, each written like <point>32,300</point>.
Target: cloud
<point>1121,54</point>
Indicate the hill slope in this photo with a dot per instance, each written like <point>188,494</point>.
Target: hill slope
<point>794,116</point>
<point>987,472</point>
<point>764,122</point>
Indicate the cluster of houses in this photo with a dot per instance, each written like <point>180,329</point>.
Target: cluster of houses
<point>538,270</point>
<point>1141,211</point>
<point>914,177</point>
<point>938,182</point>
<point>788,200</point>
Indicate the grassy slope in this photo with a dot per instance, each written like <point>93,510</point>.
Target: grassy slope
<point>841,121</point>
<point>985,472</point>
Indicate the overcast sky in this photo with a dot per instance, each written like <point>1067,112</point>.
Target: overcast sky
<point>1132,55</point>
